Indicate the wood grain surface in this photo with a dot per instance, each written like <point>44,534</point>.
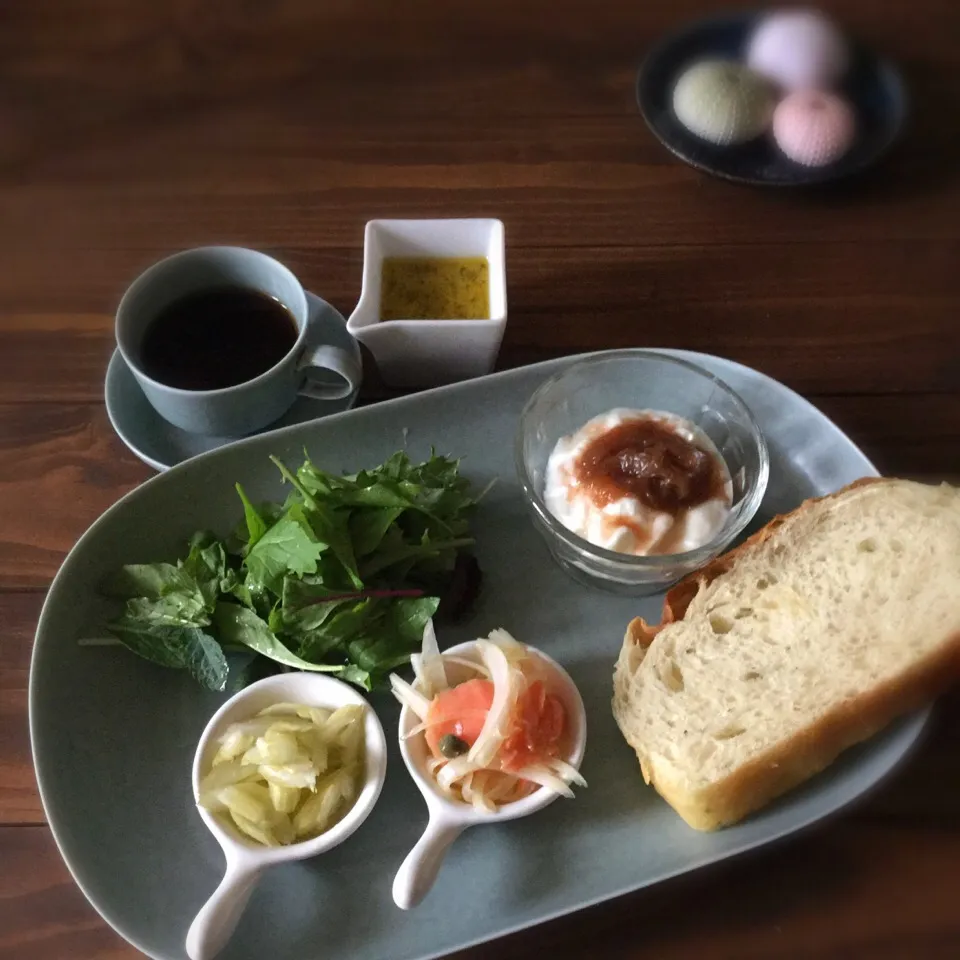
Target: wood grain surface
<point>130,129</point>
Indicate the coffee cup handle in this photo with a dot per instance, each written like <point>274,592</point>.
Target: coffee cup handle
<point>330,373</point>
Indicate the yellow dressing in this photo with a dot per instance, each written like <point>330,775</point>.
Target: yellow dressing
<point>435,288</point>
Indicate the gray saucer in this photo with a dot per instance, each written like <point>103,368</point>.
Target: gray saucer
<point>161,445</point>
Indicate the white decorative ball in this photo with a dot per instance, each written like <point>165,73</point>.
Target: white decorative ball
<point>814,128</point>
<point>799,50</point>
<point>723,102</point>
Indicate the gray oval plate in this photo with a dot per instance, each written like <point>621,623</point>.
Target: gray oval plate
<point>161,445</point>
<point>113,736</point>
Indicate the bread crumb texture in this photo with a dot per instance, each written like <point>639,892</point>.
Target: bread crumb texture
<point>808,638</point>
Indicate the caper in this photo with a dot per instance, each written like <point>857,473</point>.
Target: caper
<point>452,746</point>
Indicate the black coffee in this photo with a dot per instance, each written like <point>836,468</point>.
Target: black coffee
<point>217,338</point>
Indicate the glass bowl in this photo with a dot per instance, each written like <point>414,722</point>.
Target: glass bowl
<point>641,380</point>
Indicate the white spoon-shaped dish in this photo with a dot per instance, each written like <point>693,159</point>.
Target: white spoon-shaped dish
<point>449,818</point>
<point>246,860</point>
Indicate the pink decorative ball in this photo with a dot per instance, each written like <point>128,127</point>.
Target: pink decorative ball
<point>798,49</point>
<point>814,128</point>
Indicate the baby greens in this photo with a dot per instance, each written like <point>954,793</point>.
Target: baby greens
<point>340,578</point>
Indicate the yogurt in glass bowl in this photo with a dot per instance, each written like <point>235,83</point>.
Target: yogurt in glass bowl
<point>638,468</point>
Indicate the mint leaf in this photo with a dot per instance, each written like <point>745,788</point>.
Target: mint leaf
<point>286,547</point>
<point>163,644</point>
<point>148,580</point>
<point>206,661</point>
<point>239,625</point>
<point>177,647</point>
<point>174,609</point>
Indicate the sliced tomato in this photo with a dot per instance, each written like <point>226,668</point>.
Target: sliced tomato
<point>553,722</point>
<point>539,723</point>
<point>460,711</point>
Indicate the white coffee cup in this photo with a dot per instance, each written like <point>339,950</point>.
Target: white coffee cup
<point>311,367</point>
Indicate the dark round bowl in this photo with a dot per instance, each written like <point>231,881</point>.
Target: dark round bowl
<point>873,86</point>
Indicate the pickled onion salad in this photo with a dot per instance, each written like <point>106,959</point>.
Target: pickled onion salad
<point>494,725</point>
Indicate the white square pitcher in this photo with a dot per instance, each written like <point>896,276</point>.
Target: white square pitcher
<point>416,352</point>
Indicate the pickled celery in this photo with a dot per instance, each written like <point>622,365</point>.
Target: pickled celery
<point>288,774</point>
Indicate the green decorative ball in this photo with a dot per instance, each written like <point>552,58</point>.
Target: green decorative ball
<point>723,102</point>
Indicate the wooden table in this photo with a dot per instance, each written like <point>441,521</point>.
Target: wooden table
<point>128,130</point>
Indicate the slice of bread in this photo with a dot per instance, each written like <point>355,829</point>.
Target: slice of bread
<point>808,638</point>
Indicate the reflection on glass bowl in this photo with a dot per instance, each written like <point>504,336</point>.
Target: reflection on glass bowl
<point>638,380</point>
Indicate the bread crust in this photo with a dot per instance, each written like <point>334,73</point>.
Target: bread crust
<point>810,751</point>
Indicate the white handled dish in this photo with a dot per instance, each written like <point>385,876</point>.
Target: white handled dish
<point>449,818</point>
<point>246,860</point>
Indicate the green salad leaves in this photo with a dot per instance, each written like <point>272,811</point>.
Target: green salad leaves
<point>340,578</point>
